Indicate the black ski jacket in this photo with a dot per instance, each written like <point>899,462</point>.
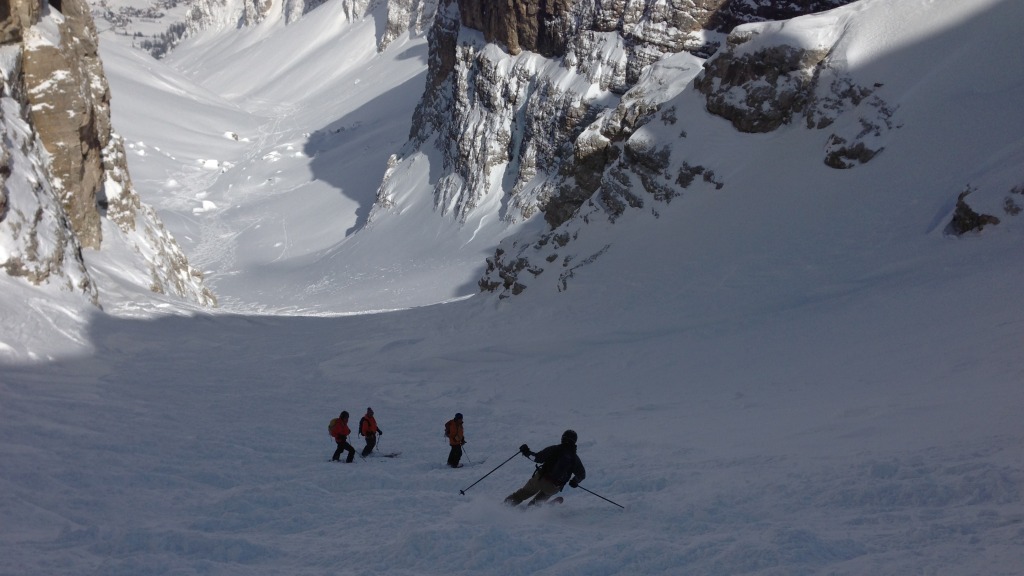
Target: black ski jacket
<point>559,463</point>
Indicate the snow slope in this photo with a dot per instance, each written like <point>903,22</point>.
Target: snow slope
<point>796,374</point>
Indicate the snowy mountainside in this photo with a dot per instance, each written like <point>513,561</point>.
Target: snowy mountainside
<point>846,105</point>
<point>489,170</point>
<point>265,181</point>
<point>158,26</point>
<point>776,366</point>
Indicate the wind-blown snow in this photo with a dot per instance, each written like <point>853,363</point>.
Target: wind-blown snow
<point>796,374</point>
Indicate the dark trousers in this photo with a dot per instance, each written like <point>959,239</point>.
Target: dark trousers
<point>454,456</point>
<point>371,442</point>
<point>343,445</point>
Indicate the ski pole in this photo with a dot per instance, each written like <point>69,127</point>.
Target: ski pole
<point>463,491</point>
<point>601,497</point>
<point>466,454</point>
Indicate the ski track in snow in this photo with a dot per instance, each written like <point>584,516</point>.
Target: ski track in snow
<point>223,471</point>
<point>217,247</point>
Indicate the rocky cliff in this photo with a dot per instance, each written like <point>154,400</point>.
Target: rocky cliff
<point>205,14</point>
<point>72,190</point>
<point>400,16</point>
<point>536,102</point>
<point>37,242</point>
<point>761,84</point>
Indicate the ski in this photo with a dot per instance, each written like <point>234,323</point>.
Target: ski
<point>380,455</point>
<point>533,506</point>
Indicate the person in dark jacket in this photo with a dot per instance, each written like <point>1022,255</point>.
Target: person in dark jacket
<point>369,430</point>
<point>340,432</point>
<point>456,439</point>
<point>558,465</point>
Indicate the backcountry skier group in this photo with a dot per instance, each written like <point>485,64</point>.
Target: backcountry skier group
<point>557,465</point>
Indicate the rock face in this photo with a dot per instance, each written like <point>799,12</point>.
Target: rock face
<point>233,13</point>
<point>761,88</point>
<point>760,92</point>
<point>965,219</point>
<point>54,84</point>
<point>37,242</point>
<point>971,219</point>
<point>402,16</point>
<point>553,28</point>
<point>15,16</point>
<point>66,91</point>
<point>414,16</point>
<point>537,102</point>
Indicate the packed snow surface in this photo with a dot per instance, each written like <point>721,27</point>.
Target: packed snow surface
<point>799,373</point>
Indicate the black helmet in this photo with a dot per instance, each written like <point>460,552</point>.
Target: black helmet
<point>569,437</point>
<point>344,414</point>
<point>458,415</point>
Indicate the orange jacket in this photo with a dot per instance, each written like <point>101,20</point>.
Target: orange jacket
<point>340,430</point>
<point>454,432</point>
<point>368,425</point>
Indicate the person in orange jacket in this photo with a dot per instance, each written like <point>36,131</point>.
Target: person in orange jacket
<point>456,438</point>
<point>369,430</point>
<point>340,431</point>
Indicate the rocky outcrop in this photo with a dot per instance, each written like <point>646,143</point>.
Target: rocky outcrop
<point>68,96</point>
<point>727,15</point>
<point>37,242</point>
<point>758,92</point>
<point>762,88</point>
<point>500,113</point>
<point>541,27</point>
<point>538,102</point>
<point>549,27</point>
<point>413,16</point>
<point>206,14</point>
<point>966,219</point>
<point>56,95</point>
<point>296,9</point>
<point>15,17</point>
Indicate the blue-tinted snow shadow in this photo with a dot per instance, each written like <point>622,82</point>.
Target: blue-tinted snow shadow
<point>351,153</point>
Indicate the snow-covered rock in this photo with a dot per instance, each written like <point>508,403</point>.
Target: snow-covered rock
<point>37,242</point>
<point>69,188</point>
<point>531,106</point>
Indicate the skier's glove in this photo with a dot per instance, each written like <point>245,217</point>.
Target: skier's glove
<point>525,450</point>
<point>574,483</point>
<point>379,433</point>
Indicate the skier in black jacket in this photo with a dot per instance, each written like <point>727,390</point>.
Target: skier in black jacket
<point>558,465</point>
